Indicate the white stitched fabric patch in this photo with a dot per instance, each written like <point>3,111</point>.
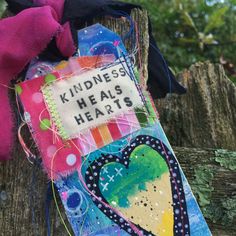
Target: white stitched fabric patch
<point>93,98</point>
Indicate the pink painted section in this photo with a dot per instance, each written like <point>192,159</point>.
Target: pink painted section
<point>128,123</point>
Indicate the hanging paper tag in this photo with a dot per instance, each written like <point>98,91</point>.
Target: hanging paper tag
<point>91,99</point>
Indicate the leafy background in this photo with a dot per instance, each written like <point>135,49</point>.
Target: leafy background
<point>2,6</point>
<point>188,31</point>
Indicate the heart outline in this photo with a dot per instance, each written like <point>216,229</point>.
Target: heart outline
<point>179,202</point>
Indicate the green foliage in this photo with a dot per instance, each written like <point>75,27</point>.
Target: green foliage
<point>2,7</point>
<point>216,20</point>
<point>226,159</point>
<point>188,31</point>
<point>202,185</point>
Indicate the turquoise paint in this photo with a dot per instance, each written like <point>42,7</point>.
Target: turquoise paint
<point>146,165</point>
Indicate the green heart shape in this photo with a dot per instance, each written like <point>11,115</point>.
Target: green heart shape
<point>146,165</point>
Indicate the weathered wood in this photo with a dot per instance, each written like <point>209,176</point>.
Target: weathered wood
<point>211,174</point>
<point>23,190</point>
<point>205,118</point>
<point>206,115</point>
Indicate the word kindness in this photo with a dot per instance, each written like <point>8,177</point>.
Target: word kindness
<point>93,98</point>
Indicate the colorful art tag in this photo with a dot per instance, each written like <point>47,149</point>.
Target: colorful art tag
<point>135,184</point>
<point>102,143</point>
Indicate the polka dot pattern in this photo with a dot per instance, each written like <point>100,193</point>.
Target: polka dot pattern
<point>37,98</point>
<point>45,124</point>
<point>51,150</point>
<point>71,159</point>
<point>74,202</point>
<point>50,78</point>
<point>18,89</point>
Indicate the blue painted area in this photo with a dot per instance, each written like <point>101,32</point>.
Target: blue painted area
<point>197,222</point>
<point>73,200</point>
<point>98,40</point>
<point>92,222</point>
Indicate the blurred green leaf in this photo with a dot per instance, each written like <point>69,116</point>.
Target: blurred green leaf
<point>210,31</point>
<point>216,20</point>
<point>188,40</point>
<point>188,20</point>
<point>2,7</point>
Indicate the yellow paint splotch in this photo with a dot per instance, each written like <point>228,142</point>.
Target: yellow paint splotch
<point>165,228</point>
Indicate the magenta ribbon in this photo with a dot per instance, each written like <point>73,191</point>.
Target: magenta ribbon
<point>22,38</point>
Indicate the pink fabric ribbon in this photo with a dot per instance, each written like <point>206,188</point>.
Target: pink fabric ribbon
<point>23,37</point>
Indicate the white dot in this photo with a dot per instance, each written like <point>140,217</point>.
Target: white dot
<point>51,150</point>
<point>177,211</point>
<point>37,98</point>
<point>71,159</point>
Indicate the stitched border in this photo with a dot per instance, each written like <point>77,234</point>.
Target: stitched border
<point>52,108</point>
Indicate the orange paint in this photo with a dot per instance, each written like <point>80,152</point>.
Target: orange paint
<point>106,136</point>
<point>97,137</point>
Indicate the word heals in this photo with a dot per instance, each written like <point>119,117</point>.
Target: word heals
<point>93,98</point>
<point>108,109</point>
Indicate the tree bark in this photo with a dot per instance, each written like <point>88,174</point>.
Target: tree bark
<point>211,174</point>
<point>206,116</point>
